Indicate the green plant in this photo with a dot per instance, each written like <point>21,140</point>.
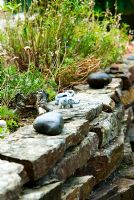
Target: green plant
<point>13,81</point>
<point>10,117</point>
<point>12,124</point>
<point>65,33</point>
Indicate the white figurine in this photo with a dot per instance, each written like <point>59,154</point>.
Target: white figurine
<point>67,102</point>
<point>67,93</point>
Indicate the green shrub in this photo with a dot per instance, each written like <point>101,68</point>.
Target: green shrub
<point>66,28</point>
<point>13,81</point>
<point>10,117</point>
<point>64,31</point>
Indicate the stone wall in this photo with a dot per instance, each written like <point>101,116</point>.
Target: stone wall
<point>90,147</point>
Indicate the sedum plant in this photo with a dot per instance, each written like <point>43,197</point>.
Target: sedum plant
<point>12,120</point>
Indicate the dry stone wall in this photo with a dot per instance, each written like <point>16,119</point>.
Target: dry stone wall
<point>89,149</point>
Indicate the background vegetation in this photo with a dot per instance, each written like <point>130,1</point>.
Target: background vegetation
<point>123,6</point>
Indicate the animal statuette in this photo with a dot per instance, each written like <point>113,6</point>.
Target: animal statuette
<point>67,102</point>
<point>67,93</point>
<point>66,99</point>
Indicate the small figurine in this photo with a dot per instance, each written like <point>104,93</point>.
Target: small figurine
<point>67,102</point>
<point>67,93</point>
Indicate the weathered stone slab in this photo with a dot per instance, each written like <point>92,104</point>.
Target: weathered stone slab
<point>127,97</point>
<point>115,88</point>
<point>126,79</point>
<point>130,67</point>
<point>127,173</point>
<point>74,132</point>
<point>128,118</point>
<point>116,84</point>
<point>104,192</point>
<point>115,197</point>
<point>131,70</point>
<point>33,149</point>
<point>125,188</point>
<point>47,192</point>
<point>125,68</point>
<point>131,133</point>
<point>77,188</point>
<point>12,176</point>
<point>107,96</point>
<point>98,98</point>
<point>75,158</point>
<point>128,155</point>
<point>105,161</point>
<point>107,126</point>
<point>84,110</point>
<point>36,152</point>
<point>121,71</point>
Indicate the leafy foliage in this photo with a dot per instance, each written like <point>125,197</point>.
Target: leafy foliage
<point>13,81</point>
<point>10,117</point>
<point>65,29</point>
<point>47,45</point>
<point>122,6</point>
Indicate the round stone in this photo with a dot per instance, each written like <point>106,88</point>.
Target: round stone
<point>50,123</point>
<point>131,57</point>
<point>98,80</point>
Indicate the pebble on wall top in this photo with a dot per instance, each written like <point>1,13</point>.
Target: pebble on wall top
<point>50,123</point>
<point>98,80</point>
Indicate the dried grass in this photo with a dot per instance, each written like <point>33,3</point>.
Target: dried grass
<point>76,75</point>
